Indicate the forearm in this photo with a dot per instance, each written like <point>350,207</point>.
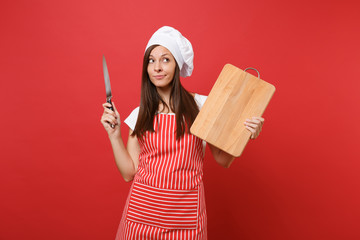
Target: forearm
<point>123,159</point>
<point>221,157</point>
<point>224,159</point>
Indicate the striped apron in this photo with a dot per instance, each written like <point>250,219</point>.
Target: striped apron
<point>166,199</point>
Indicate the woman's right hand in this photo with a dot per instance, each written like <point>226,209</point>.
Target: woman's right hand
<point>109,118</point>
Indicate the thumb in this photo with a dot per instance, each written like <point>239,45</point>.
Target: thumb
<point>115,110</point>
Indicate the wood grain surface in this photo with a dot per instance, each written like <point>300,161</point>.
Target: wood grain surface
<point>235,96</point>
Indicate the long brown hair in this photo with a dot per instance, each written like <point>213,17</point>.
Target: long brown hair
<point>181,102</point>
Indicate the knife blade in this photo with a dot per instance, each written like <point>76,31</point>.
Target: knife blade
<point>107,86</point>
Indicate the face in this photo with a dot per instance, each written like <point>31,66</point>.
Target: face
<point>161,67</point>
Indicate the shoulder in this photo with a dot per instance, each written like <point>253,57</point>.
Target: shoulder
<point>200,100</point>
<point>132,118</point>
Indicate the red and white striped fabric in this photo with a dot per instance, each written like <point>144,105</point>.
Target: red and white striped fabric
<point>165,208</point>
<point>166,199</point>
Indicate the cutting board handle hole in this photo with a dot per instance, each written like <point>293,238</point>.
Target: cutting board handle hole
<point>253,69</point>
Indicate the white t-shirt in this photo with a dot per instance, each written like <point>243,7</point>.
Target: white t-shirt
<point>132,118</point>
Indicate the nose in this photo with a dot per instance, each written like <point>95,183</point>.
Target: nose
<point>157,66</point>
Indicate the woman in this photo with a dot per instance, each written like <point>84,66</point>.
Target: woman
<point>162,158</point>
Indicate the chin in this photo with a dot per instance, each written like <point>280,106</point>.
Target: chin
<point>161,84</point>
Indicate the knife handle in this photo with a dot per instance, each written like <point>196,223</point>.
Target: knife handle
<point>111,108</point>
<point>109,101</point>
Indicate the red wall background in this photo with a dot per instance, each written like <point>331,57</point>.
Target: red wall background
<point>298,180</point>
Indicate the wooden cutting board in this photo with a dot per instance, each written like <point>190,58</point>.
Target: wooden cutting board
<point>235,96</point>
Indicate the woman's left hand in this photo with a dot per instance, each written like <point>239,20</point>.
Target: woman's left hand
<point>254,125</point>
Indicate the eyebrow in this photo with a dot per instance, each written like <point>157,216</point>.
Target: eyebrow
<point>160,56</point>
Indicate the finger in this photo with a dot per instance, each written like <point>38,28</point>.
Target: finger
<point>105,120</point>
<point>254,121</point>
<point>109,111</point>
<point>109,119</point>
<point>252,125</point>
<point>106,105</point>
<point>251,130</point>
<point>254,134</point>
<point>115,110</point>
<point>113,104</point>
<point>105,123</point>
<point>256,128</point>
<point>259,118</point>
<point>117,114</point>
<point>112,120</point>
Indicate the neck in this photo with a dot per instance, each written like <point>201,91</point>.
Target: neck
<point>165,95</point>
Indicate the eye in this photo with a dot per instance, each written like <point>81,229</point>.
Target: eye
<point>151,60</point>
<point>166,60</point>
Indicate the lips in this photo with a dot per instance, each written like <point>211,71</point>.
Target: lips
<point>159,77</point>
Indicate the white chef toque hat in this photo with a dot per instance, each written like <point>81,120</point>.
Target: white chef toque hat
<point>178,45</point>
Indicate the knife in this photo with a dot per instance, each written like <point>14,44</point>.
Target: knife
<point>107,86</point>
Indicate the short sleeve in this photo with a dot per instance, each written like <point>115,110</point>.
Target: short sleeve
<point>200,100</point>
<point>132,118</point>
